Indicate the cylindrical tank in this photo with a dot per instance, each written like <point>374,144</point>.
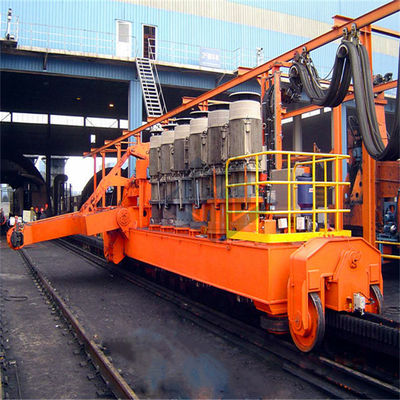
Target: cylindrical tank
<point>304,192</point>
<point>245,127</point>
<point>167,142</point>
<point>182,132</point>
<point>155,174</point>
<point>217,135</point>
<point>198,139</point>
<point>154,155</point>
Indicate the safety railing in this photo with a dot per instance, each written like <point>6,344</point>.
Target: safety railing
<point>104,44</point>
<point>191,54</point>
<point>328,170</point>
<point>65,39</point>
<point>393,244</point>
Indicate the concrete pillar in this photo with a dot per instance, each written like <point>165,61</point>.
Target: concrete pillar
<point>48,179</point>
<point>135,111</point>
<point>48,172</point>
<point>297,134</point>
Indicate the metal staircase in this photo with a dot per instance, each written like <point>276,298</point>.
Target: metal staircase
<point>152,94</point>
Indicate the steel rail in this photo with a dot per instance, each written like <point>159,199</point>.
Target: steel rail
<point>335,33</point>
<point>313,368</point>
<point>111,376</point>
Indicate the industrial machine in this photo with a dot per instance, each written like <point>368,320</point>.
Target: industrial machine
<point>217,201</point>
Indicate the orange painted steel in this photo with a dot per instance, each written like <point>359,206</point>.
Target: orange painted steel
<point>225,265</point>
<point>278,116</point>
<point>337,149</point>
<point>335,33</point>
<point>368,166</point>
<point>334,269</point>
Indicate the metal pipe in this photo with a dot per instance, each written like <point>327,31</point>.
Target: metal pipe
<point>103,173</point>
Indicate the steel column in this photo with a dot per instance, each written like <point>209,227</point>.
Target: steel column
<point>337,149</point>
<point>135,119</point>
<point>368,167</point>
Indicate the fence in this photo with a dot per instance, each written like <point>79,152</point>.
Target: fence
<point>103,44</point>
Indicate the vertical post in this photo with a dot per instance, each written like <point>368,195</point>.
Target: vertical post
<point>368,167</point>
<point>278,116</point>
<point>262,81</point>
<point>48,176</point>
<point>297,134</point>
<point>48,163</point>
<point>103,173</point>
<point>289,193</point>
<point>325,198</point>
<point>94,173</point>
<point>344,142</point>
<point>118,146</point>
<point>135,110</point>
<point>257,198</point>
<point>314,194</point>
<point>337,149</point>
<point>226,198</point>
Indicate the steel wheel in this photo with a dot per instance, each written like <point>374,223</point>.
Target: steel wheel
<point>315,334</point>
<point>377,296</point>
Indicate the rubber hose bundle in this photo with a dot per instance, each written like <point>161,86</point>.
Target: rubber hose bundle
<point>352,61</point>
<point>365,107</point>
<point>340,82</point>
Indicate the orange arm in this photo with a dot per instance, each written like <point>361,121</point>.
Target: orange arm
<point>88,220</point>
<point>62,225</point>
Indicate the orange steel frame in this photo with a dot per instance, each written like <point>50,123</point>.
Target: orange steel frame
<point>278,277</point>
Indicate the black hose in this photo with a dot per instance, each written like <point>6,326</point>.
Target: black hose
<point>352,61</point>
<point>365,108</point>
<point>337,90</point>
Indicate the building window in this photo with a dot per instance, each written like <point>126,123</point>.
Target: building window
<point>149,41</point>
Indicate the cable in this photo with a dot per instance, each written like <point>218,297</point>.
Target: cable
<point>351,61</point>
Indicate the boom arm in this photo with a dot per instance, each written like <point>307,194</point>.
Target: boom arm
<point>88,220</point>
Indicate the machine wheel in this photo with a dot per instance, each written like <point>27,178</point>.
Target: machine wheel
<point>315,334</point>
<point>377,296</point>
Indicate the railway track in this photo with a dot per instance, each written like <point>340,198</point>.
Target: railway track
<point>114,381</point>
<point>337,379</point>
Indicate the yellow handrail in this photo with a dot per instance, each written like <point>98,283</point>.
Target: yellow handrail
<point>292,184</point>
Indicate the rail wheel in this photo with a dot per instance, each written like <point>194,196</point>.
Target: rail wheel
<point>377,297</point>
<point>314,335</point>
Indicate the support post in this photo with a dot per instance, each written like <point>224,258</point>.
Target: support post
<point>337,149</point>
<point>94,173</point>
<point>103,174</point>
<point>135,111</point>
<point>278,116</point>
<point>368,167</point>
<point>48,175</point>
<point>118,146</point>
<point>297,134</point>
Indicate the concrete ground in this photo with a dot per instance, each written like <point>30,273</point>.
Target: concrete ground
<point>39,352</point>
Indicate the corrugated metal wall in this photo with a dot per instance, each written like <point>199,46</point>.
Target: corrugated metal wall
<point>227,25</point>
